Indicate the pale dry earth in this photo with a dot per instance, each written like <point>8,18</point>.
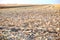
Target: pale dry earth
<point>41,22</point>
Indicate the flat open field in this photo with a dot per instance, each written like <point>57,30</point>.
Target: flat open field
<point>30,22</point>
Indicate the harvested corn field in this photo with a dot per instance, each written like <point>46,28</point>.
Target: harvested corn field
<point>36,22</point>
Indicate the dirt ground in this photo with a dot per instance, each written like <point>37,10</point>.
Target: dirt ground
<point>33,22</point>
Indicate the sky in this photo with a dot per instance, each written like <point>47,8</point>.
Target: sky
<point>29,1</point>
